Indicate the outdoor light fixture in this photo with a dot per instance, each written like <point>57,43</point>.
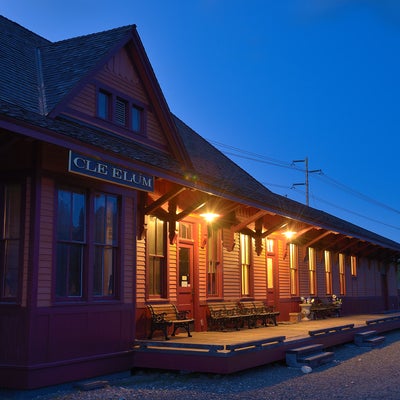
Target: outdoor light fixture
<point>209,216</point>
<point>289,234</point>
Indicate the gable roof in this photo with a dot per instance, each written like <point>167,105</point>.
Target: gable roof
<point>50,73</point>
<point>65,64</point>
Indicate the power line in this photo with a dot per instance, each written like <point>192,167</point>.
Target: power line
<point>251,156</point>
<point>356,213</point>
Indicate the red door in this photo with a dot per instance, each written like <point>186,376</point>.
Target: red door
<point>186,280</point>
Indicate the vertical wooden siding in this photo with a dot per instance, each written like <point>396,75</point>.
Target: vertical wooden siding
<point>141,272</point>
<point>259,274</point>
<point>231,272</point>
<point>120,75</point>
<point>172,272</point>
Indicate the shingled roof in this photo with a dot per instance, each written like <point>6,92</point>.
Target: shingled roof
<point>18,65</point>
<point>76,58</point>
<point>31,61</point>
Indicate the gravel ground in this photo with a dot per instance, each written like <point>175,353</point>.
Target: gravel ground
<point>356,373</point>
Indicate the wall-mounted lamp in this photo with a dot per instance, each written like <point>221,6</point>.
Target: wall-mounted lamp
<point>209,216</point>
<point>289,234</point>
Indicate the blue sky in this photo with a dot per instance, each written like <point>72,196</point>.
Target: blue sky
<point>269,82</point>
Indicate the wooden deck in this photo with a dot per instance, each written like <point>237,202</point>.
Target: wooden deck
<point>233,351</point>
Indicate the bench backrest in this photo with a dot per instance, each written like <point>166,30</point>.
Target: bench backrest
<point>169,311</point>
<point>221,308</point>
<point>247,307</point>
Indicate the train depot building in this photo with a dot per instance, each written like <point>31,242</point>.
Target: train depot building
<point>109,203</point>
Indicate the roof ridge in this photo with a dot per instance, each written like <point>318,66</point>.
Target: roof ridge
<point>23,28</point>
<point>93,34</point>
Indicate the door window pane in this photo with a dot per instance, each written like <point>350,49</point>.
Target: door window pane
<point>184,266</point>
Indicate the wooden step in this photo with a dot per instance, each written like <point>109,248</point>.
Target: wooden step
<point>312,348</point>
<point>317,359</point>
<point>368,339</point>
<point>366,333</point>
<point>372,341</point>
<point>312,355</point>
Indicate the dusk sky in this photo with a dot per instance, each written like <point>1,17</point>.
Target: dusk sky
<point>269,82</point>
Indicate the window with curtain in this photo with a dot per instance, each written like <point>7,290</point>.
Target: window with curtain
<point>245,260</point>
<point>328,271</point>
<point>270,247</point>
<point>293,265</point>
<point>353,266</point>
<point>312,270</point>
<point>342,274</point>
<point>156,247</point>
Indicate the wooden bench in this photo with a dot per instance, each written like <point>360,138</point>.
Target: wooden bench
<point>249,313</point>
<point>165,315</point>
<point>324,310</point>
<point>266,313</point>
<point>223,314</point>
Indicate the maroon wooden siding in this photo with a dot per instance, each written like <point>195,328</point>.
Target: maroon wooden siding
<point>45,342</point>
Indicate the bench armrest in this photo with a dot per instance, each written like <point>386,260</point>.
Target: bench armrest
<point>158,317</point>
<point>182,314</point>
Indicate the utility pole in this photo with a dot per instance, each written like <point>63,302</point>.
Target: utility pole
<point>306,183</point>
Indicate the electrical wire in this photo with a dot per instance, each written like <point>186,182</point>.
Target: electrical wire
<point>251,156</point>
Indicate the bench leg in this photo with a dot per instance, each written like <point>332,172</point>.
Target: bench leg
<point>184,326</point>
<point>165,331</point>
<point>263,319</point>
<point>151,333</point>
<point>161,327</point>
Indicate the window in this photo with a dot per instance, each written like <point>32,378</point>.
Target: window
<point>71,243</point>
<point>270,247</point>
<point>136,119</point>
<point>342,275</point>
<point>245,260</point>
<point>156,234</point>
<point>79,261</point>
<point>185,230</point>
<point>213,267</point>
<point>122,112</point>
<point>293,260</point>
<point>106,244</point>
<point>270,273</point>
<point>353,266</point>
<point>312,270</point>
<point>104,105</point>
<point>10,241</point>
<point>328,271</point>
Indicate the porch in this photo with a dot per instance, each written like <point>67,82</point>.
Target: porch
<point>234,351</point>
